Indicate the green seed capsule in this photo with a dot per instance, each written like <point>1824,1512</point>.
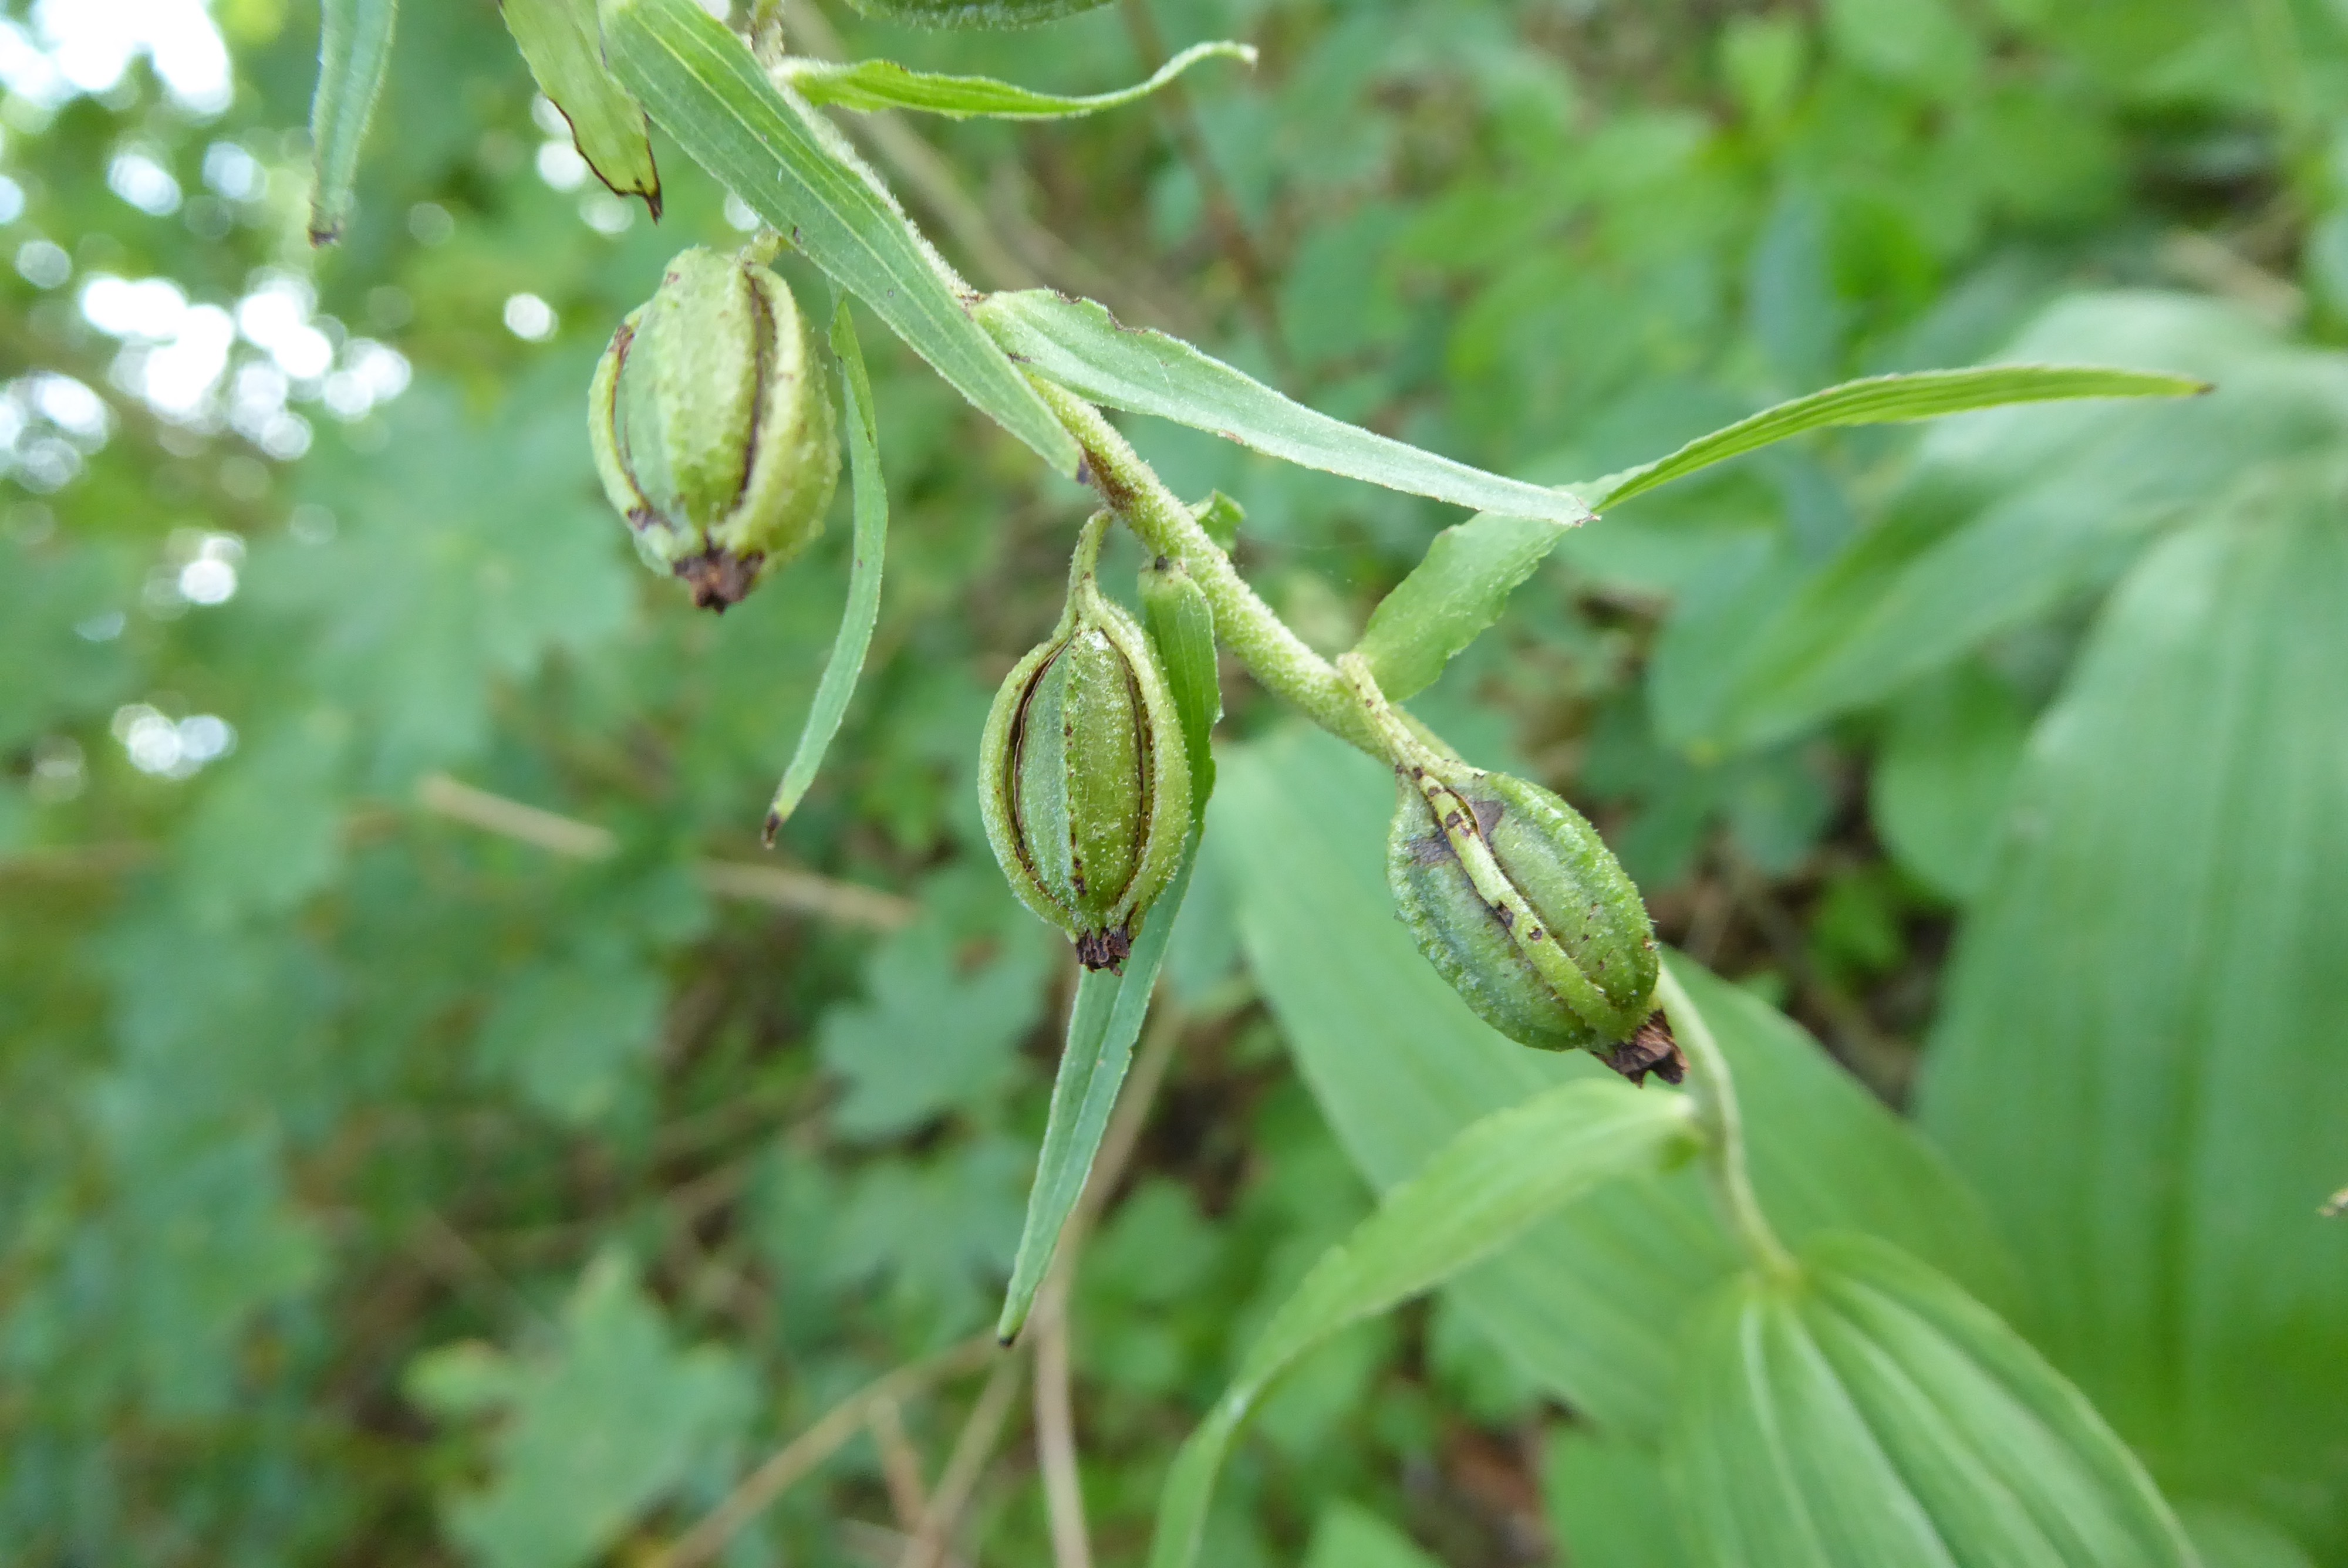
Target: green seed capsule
<point>1521,907</point>
<point>1083,782</point>
<point>712,421</point>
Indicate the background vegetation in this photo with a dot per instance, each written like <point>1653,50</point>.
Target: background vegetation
<point>434,1131</point>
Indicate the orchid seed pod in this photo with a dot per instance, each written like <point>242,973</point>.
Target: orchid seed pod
<point>1084,780</point>
<point>712,421</point>
<point>1520,907</point>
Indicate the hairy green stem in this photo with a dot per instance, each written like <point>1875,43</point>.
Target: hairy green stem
<point>1277,657</point>
<point>1714,1092</point>
<point>1272,653</point>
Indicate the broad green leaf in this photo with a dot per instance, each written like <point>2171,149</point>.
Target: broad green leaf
<point>569,1032</point>
<point>1867,1411</point>
<point>354,53</point>
<point>1449,599</point>
<point>1890,400</point>
<point>2231,1538</point>
<point>2010,514</point>
<point>1942,777</point>
<point>2140,1062</point>
<point>561,41</point>
<point>597,1431</point>
<point>56,675</point>
<point>1590,1301</point>
<point>467,549</point>
<point>872,85</point>
<point>1609,1502</point>
<point>700,84</point>
<point>974,13</point>
<point>934,1035</point>
<point>1345,1536</point>
<point>857,616</point>
<point>1078,344</point>
<point>1103,1026</point>
<point>1475,1195</point>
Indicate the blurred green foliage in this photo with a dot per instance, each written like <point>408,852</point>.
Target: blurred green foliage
<point>390,1177</point>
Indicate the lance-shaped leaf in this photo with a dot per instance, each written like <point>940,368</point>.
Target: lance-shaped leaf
<point>699,82</point>
<point>871,85</point>
<point>1449,598</point>
<point>1890,400</point>
<point>1078,344</point>
<point>1483,1190</point>
<point>354,54</point>
<point>863,607</point>
<point>972,13</point>
<point>1109,1009</point>
<point>1102,1027</point>
<point>1864,1411</point>
<point>565,52</point>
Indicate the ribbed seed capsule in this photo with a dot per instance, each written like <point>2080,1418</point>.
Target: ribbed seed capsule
<point>1517,903</point>
<point>712,421</point>
<point>1083,781</point>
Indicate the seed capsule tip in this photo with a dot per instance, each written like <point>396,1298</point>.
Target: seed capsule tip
<point>1650,1050</point>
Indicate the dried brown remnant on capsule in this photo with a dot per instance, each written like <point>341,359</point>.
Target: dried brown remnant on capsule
<point>1650,1050</point>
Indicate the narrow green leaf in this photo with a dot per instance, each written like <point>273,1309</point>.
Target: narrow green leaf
<point>1474,1196</point>
<point>1456,591</point>
<point>700,84</point>
<point>870,85</point>
<point>354,54</point>
<point>2139,1064</point>
<point>561,41</point>
<point>974,13</point>
<point>1890,400</point>
<point>1181,626</point>
<point>1078,343</point>
<point>1868,1411</point>
<point>1221,518</point>
<point>862,610</point>
<point>1102,1027</point>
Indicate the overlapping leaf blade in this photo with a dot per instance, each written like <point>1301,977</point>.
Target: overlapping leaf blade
<point>1078,344</point>
<point>1590,1300</point>
<point>561,41</point>
<point>2140,1062</point>
<point>699,82</point>
<point>862,611</point>
<point>871,85</point>
<point>1476,1195</point>
<point>1867,1411</point>
<point>354,56</point>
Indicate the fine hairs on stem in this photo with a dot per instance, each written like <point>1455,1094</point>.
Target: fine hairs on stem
<point>1281,660</point>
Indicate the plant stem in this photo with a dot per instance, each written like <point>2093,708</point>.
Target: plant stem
<point>1713,1091</point>
<point>1272,653</point>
